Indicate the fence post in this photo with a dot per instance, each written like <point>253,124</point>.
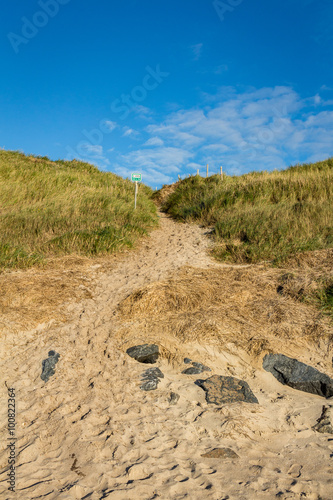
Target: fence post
<point>221,172</point>
<point>207,170</point>
<point>197,172</point>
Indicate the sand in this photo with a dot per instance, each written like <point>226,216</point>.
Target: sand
<point>91,433</point>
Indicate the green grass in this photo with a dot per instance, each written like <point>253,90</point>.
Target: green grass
<point>325,298</point>
<point>261,216</point>
<point>50,208</point>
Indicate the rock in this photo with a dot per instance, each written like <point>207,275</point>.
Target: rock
<point>196,368</point>
<point>151,378</point>
<point>324,422</point>
<point>192,371</point>
<point>201,366</point>
<point>173,398</point>
<point>187,361</point>
<point>152,373</point>
<point>220,453</point>
<point>146,353</point>
<point>298,375</point>
<point>221,390</point>
<point>48,365</point>
<point>149,385</point>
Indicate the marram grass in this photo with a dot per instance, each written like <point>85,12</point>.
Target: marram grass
<point>50,208</point>
<point>261,216</point>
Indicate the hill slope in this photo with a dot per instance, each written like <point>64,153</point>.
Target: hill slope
<point>261,216</point>
<point>61,207</point>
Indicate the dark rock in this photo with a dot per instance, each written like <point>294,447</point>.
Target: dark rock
<point>152,373</point>
<point>298,375</point>
<point>222,390</point>
<point>187,361</point>
<point>48,365</point>
<point>151,378</point>
<point>149,385</point>
<point>220,453</point>
<point>201,367</point>
<point>324,422</point>
<point>146,353</point>
<point>196,368</point>
<point>173,398</point>
<point>192,371</point>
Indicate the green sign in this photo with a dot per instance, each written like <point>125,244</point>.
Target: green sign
<point>136,177</point>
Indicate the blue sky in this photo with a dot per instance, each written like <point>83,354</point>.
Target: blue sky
<point>163,88</point>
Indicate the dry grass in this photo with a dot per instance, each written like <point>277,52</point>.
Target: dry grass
<point>237,307</point>
<point>163,194</point>
<point>36,296</point>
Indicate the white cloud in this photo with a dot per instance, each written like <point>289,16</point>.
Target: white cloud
<point>258,129</point>
<point>154,141</point>
<point>169,158</point>
<point>110,125</point>
<point>222,68</point>
<point>197,50</point>
<point>142,111</point>
<point>92,149</point>
<point>129,132</point>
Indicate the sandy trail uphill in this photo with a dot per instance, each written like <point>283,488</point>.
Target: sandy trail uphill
<point>91,433</point>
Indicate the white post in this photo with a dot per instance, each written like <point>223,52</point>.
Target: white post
<point>221,172</point>
<point>197,172</point>
<point>136,193</point>
<point>207,170</point>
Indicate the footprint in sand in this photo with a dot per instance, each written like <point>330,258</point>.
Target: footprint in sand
<point>295,470</point>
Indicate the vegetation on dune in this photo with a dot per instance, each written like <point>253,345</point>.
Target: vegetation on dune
<point>50,208</point>
<point>261,216</point>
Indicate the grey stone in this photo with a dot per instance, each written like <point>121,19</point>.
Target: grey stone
<point>298,375</point>
<point>192,371</point>
<point>187,361</point>
<point>324,422</point>
<point>173,398</point>
<point>152,373</point>
<point>222,390</point>
<point>201,366</point>
<point>146,353</point>
<point>149,385</point>
<point>195,369</point>
<point>48,365</point>
<point>151,378</point>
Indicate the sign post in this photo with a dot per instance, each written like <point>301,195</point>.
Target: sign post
<point>136,178</point>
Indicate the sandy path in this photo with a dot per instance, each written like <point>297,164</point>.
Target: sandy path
<point>90,432</point>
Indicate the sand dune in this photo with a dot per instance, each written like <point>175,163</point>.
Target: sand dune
<point>91,433</point>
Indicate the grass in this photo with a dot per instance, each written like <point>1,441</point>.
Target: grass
<point>227,308</point>
<point>54,208</point>
<point>261,216</point>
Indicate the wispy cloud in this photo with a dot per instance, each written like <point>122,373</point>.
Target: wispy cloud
<point>110,125</point>
<point>257,129</point>
<point>197,51</point>
<point>154,141</point>
<point>159,165</point>
<point>129,132</point>
<point>142,111</point>
<point>92,149</point>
